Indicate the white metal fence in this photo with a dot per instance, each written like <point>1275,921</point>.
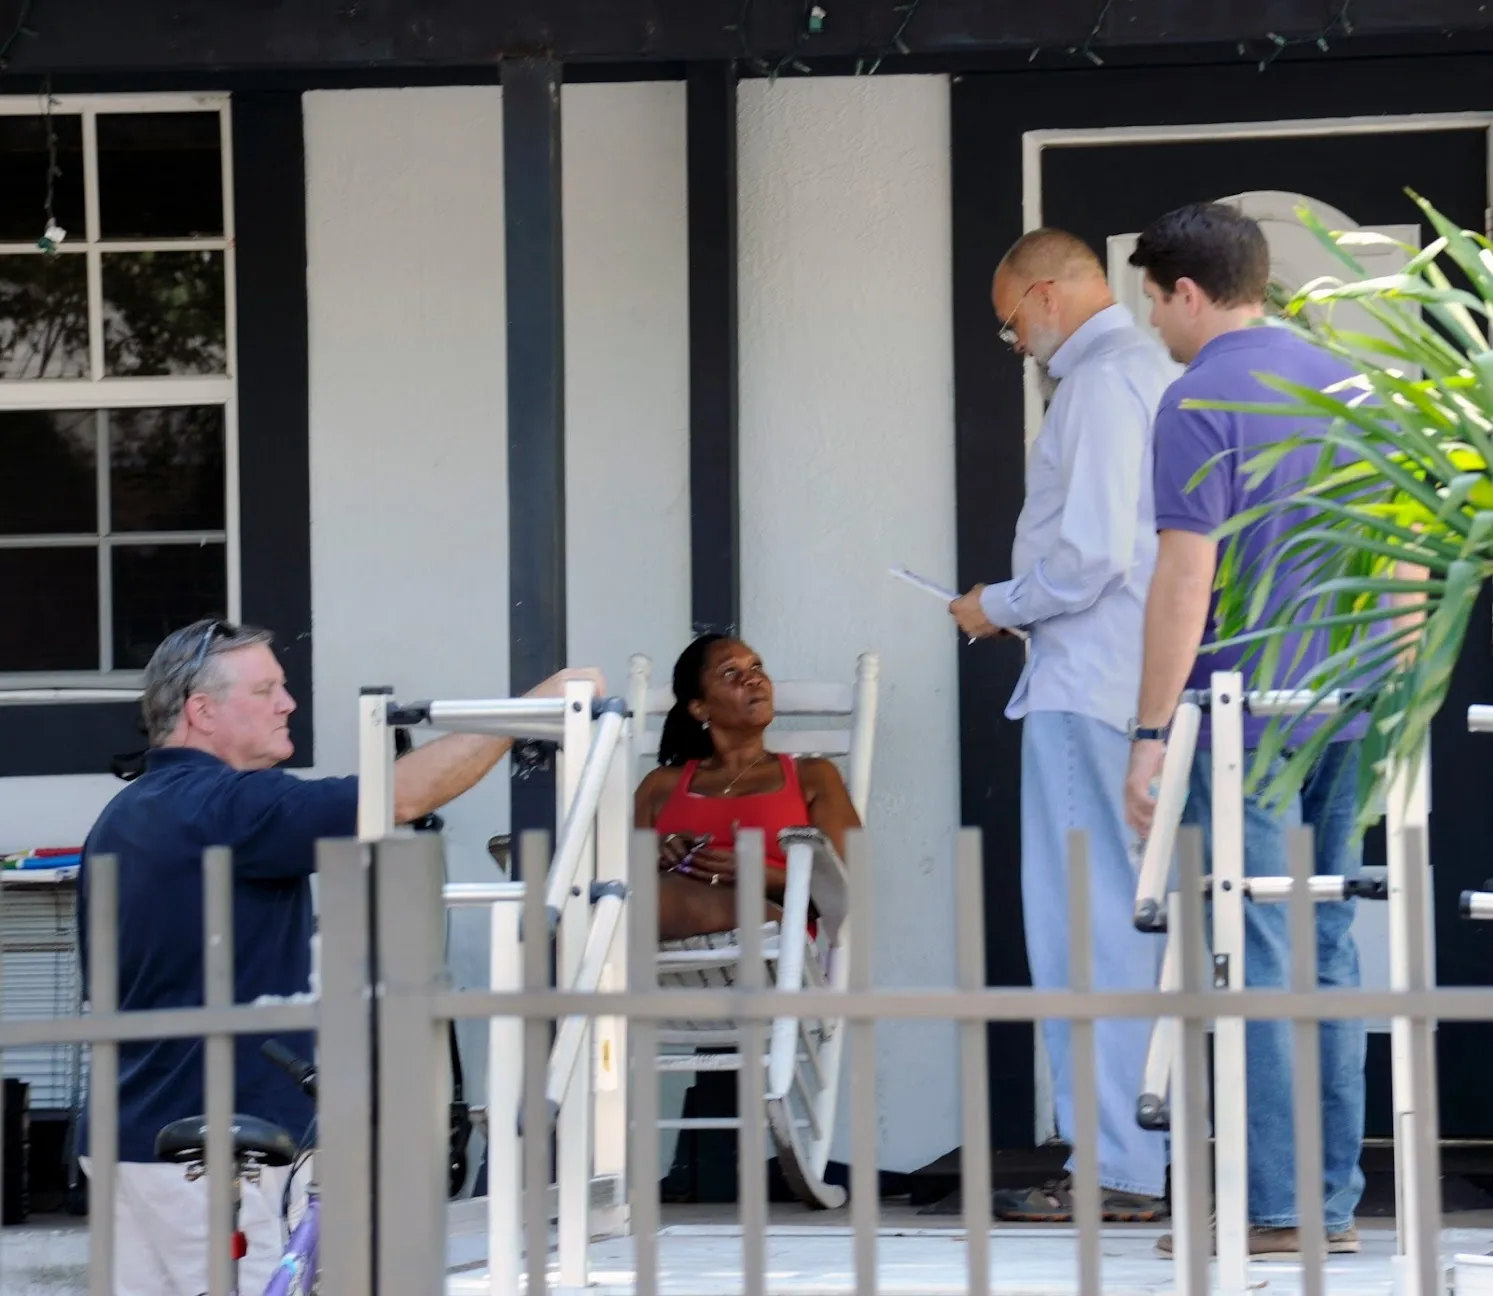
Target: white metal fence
<point>580,1057</point>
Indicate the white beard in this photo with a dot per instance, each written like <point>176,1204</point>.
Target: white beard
<point>1042,345</point>
<point>1046,383</point>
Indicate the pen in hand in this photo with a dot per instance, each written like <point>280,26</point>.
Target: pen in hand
<point>684,864</point>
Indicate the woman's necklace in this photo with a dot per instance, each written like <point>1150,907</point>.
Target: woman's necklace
<point>726,791</point>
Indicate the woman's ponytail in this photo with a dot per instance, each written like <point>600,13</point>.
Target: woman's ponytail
<point>684,738</point>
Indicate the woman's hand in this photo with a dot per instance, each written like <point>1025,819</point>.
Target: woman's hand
<point>673,849</point>
<point>711,865</point>
<point>693,857</point>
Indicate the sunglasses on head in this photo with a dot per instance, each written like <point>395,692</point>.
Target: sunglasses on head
<point>215,630</point>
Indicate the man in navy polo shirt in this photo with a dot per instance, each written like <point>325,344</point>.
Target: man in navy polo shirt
<point>216,712</point>
<point>1207,268</point>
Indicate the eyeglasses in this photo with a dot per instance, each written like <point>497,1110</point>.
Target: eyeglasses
<point>214,630</point>
<point>1007,333</point>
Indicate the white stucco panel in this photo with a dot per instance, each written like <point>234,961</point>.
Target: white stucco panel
<point>847,458</point>
<point>409,427</point>
<point>626,374</point>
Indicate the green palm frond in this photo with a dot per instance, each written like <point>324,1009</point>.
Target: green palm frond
<point>1404,478</point>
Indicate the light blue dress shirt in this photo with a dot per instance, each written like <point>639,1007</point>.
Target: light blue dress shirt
<point>1085,543</point>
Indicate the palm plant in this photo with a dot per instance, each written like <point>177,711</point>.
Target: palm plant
<point>1393,528</point>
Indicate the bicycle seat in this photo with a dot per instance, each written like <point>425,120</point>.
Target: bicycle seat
<point>260,1140</point>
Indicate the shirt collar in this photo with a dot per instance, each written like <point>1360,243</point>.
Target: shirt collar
<point>1248,336</point>
<point>1065,359</point>
<point>158,756</point>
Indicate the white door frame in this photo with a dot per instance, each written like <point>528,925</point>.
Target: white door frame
<point>1034,142</point>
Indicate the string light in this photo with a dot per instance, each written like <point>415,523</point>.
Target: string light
<point>52,232</point>
<point>812,22</point>
<point>1086,49</point>
<point>741,28</point>
<point>898,45</point>
<point>1338,24</point>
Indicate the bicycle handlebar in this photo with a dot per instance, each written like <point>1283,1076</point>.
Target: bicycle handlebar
<point>299,1070</point>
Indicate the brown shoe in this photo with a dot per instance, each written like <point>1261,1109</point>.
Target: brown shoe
<point>1052,1203</point>
<point>1279,1243</point>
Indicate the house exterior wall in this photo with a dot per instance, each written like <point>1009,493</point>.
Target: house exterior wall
<point>846,440</point>
<point>846,450</point>
<point>846,443</point>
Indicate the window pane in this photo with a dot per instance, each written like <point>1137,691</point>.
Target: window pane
<point>164,313</point>
<point>23,177</point>
<point>43,316</point>
<point>166,469</point>
<point>51,609</point>
<point>160,175</point>
<point>55,453</point>
<point>160,588</point>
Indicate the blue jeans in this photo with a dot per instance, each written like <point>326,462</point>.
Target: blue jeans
<point>1073,776</point>
<point>1326,804</point>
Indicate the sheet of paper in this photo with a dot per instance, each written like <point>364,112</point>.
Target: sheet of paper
<point>941,592</point>
<point>923,583</point>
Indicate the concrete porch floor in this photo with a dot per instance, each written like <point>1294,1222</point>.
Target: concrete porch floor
<point>919,1255</point>
<point>811,1255</point>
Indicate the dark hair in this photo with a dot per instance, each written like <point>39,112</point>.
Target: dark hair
<point>684,738</point>
<point>1218,247</point>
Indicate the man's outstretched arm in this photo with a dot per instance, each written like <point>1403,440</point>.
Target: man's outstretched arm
<point>442,770</point>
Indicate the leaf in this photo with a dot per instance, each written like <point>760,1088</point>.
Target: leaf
<point>1401,287</point>
<point>1328,240</point>
<point>1372,238</point>
<point>1319,623</point>
<point>1455,315</point>
<point>1424,256</point>
<point>1464,251</point>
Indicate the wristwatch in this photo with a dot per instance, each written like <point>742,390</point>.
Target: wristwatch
<point>1139,733</point>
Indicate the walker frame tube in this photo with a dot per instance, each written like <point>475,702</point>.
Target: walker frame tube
<point>584,892</point>
<point>1411,954</point>
<point>1230,1115</point>
<point>1171,799</point>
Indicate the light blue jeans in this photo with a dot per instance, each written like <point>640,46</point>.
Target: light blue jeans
<point>1073,776</point>
<point>1326,804</point>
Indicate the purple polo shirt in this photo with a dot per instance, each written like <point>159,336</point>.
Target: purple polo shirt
<point>1186,439</point>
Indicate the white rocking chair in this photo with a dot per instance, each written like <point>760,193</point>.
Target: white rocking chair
<point>803,1062</point>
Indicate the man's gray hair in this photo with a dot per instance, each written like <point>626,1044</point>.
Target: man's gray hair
<point>185,662</point>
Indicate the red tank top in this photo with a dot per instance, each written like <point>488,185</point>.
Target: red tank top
<point>696,815</point>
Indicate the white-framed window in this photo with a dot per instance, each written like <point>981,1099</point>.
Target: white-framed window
<point>118,410</point>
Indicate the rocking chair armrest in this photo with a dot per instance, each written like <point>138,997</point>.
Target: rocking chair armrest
<point>829,880</point>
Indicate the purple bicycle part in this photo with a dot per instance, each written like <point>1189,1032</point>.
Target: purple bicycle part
<point>296,1274</point>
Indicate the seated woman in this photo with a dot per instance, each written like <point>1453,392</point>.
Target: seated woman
<point>716,776</point>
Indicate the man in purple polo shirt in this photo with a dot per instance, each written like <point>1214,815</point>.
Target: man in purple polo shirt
<point>1206,271</point>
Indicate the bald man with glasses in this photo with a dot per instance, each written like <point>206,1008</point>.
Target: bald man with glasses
<point>1084,549</point>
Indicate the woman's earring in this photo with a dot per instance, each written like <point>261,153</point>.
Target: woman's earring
<point>704,724</point>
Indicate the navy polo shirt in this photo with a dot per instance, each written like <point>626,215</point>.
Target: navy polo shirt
<point>158,827</point>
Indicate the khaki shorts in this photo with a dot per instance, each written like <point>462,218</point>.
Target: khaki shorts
<point>160,1228</point>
